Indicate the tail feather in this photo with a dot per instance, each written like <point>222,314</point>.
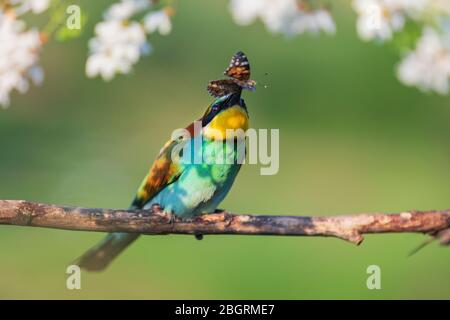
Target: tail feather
<point>100,256</point>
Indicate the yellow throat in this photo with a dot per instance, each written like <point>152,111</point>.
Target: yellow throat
<point>232,118</point>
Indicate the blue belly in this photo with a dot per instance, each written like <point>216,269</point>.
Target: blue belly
<point>201,187</point>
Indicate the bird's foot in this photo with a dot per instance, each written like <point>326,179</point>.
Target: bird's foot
<point>157,209</point>
<point>219,215</point>
<point>169,216</point>
<point>226,217</point>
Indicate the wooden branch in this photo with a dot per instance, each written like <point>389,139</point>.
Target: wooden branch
<point>348,227</point>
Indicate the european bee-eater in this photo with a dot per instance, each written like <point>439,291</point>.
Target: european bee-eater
<point>184,187</point>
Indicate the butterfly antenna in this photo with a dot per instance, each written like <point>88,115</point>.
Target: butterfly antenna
<point>421,246</point>
<point>265,85</point>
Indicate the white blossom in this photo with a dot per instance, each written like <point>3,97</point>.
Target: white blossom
<point>282,16</point>
<point>19,56</point>
<point>119,41</point>
<point>116,47</point>
<point>158,21</point>
<point>247,11</point>
<point>314,22</point>
<point>35,6</point>
<point>439,7</point>
<point>380,19</point>
<point>428,66</point>
<point>125,9</point>
<point>376,21</point>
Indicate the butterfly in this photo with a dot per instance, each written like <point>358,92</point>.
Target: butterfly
<point>239,72</point>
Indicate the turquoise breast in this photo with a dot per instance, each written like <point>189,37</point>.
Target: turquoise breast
<point>209,169</point>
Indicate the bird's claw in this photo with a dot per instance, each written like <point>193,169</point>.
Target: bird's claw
<point>227,217</point>
<point>169,216</point>
<point>157,209</point>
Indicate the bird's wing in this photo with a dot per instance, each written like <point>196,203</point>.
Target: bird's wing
<point>164,171</point>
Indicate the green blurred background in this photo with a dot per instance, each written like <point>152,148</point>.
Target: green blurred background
<point>353,139</point>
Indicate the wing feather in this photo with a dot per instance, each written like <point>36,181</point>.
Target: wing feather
<point>162,173</point>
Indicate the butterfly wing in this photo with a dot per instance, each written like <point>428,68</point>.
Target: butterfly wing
<point>220,88</point>
<point>239,67</point>
<point>239,72</point>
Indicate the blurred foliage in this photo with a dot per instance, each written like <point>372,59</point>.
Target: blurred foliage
<point>353,139</point>
<point>406,40</point>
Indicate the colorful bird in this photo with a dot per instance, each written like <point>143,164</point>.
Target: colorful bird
<point>191,175</point>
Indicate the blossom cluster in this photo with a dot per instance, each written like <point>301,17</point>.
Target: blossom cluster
<point>427,66</point>
<point>119,41</point>
<point>288,17</point>
<point>19,49</point>
<point>121,38</point>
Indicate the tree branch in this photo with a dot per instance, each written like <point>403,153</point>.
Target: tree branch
<point>347,227</point>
